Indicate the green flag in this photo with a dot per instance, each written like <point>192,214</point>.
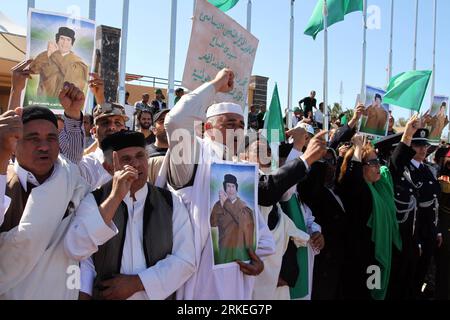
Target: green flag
<point>223,5</point>
<point>337,9</point>
<point>408,89</point>
<point>273,120</point>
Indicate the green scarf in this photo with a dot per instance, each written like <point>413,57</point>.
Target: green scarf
<point>385,231</point>
<point>294,210</point>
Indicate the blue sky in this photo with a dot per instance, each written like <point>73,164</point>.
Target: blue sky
<point>149,27</point>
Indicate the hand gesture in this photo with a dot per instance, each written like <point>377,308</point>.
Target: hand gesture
<point>359,111</point>
<point>343,150</point>
<point>358,140</point>
<point>20,75</point>
<point>123,178</point>
<point>254,268</point>
<point>11,130</point>
<point>52,47</point>
<point>121,287</point>
<point>222,197</point>
<point>412,125</point>
<point>72,100</point>
<point>298,134</point>
<point>224,80</point>
<point>97,87</point>
<point>317,148</point>
<point>317,241</point>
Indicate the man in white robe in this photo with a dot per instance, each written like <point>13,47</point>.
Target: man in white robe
<point>188,160</point>
<point>153,239</point>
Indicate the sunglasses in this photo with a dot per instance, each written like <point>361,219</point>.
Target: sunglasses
<point>330,161</point>
<point>372,163</point>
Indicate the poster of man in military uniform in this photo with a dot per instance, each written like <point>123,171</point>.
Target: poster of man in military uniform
<point>232,202</point>
<point>62,51</point>
<point>376,115</point>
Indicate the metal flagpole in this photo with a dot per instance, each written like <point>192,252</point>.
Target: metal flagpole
<point>31,4</point>
<point>433,77</point>
<point>173,31</point>
<point>123,51</point>
<point>291,66</point>
<point>325,67</point>
<point>341,93</point>
<point>391,44</point>
<point>363,72</point>
<point>249,16</point>
<point>92,15</point>
<point>415,42</point>
<point>415,36</point>
<point>92,9</point>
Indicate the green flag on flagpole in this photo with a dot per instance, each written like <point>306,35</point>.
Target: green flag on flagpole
<point>408,89</point>
<point>337,9</point>
<point>273,120</point>
<point>223,5</point>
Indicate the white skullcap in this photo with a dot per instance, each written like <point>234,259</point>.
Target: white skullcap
<point>308,128</point>
<point>224,107</point>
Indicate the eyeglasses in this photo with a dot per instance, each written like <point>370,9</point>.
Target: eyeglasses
<point>372,163</point>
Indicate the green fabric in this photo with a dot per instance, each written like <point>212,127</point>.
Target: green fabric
<point>344,120</point>
<point>408,89</point>
<point>385,231</point>
<point>273,120</point>
<point>294,210</point>
<point>337,9</point>
<point>223,5</point>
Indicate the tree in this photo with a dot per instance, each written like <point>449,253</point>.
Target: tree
<point>401,122</point>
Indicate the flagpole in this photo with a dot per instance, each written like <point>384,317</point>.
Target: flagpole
<point>92,9</point>
<point>363,72</point>
<point>30,4</point>
<point>433,78</point>
<point>391,44</point>
<point>325,66</point>
<point>92,15</point>
<point>415,42</point>
<point>123,51</point>
<point>173,31</point>
<point>249,16</point>
<point>415,36</point>
<point>291,66</point>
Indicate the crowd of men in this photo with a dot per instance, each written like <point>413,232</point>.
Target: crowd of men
<point>342,218</point>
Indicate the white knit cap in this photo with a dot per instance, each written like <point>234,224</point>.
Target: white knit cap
<point>308,128</point>
<point>224,107</point>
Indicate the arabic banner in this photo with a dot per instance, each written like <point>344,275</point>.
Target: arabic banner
<point>218,42</point>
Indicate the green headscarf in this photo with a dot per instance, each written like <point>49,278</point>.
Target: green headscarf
<point>384,225</point>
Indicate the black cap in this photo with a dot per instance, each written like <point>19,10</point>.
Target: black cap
<point>387,143</point>
<point>229,178</point>
<point>159,114</point>
<point>67,32</point>
<point>123,139</point>
<point>38,113</point>
<point>421,137</point>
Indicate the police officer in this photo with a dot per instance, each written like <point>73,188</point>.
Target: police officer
<point>416,192</point>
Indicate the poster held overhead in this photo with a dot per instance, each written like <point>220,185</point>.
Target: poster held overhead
<point>61,47</point>
<point>218,42</point>
<point>375,119</point>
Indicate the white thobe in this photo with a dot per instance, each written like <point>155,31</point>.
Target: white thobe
<point>33,262</point>
<point>160,280</point>
<point>207,283</point>
<point>92,170</point>
<point>266,283</point>
<point>4,199</point>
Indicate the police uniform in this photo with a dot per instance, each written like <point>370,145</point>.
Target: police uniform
<point>416,192</point>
